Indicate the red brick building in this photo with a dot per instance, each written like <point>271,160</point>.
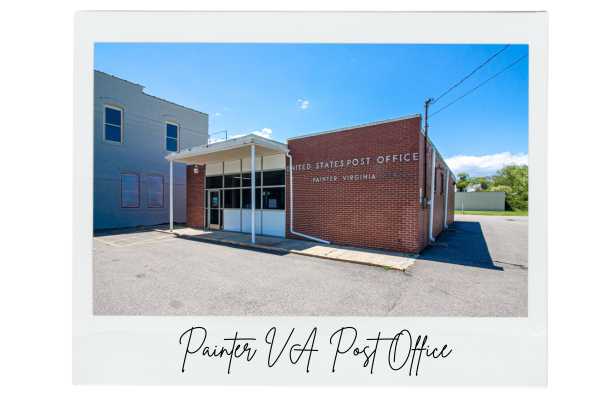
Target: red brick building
<point>375,185</point>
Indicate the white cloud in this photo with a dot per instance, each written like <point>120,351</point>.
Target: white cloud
<point>303,103</point>
<point>264,132</point>
<point>485,165</point>
<point>217,114</point>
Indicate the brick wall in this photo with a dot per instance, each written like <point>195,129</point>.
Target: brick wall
<point>195,196</point>
<point>381,209</point>
<point>359,187</point>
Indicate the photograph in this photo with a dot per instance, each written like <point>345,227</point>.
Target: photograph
<point>310,179</point>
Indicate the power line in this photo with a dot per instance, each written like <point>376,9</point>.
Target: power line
<point>480,85</point>
<point>470,74</point>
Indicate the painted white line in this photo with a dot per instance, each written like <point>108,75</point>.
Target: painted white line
<point>120,241</point>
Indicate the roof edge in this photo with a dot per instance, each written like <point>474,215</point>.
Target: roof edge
<point>142,87</point>
<point>226,145</point>
<point>347,128</point>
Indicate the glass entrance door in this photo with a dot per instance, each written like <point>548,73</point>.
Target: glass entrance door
<point>214,209</point>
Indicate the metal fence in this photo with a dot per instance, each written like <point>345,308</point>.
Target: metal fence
<point>480,201</point>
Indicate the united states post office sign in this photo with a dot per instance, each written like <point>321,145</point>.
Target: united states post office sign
<point>341,164</point>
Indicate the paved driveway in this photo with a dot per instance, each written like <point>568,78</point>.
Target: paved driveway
<point>478,268</point>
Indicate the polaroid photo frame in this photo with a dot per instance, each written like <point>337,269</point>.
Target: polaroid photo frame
<point>342,349</point>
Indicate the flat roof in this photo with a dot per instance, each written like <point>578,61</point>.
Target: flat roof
<point>142,88</point>
<point>347,128</point>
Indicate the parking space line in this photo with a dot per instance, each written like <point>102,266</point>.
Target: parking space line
<point>127,242</point>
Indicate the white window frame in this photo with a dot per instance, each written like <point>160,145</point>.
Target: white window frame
<point>178,134</point>
<point>162,178</point>
<point>104,123</point>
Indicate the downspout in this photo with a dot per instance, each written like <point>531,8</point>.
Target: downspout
<point>289,156</point>
<point>432,195</point>
<point>170,195</point>
<point>446,199</point>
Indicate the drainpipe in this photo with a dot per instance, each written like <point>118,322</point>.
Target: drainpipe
<point>432,195</point>
<point>171,195</point>
<point>289,156</point>
<point>447,173</point>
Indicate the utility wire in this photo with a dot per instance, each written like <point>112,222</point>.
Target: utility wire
<point>480,85</point>
<point>470,74</point>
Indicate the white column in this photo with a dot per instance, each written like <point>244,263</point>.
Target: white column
<point>171,195</point>
<point>446,198</point>
<point>253,190</point>
<point>432,195</point>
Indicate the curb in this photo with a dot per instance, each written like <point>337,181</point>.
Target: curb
<point>279,250</point>
<point>386,266</point>
<point>269,249</point>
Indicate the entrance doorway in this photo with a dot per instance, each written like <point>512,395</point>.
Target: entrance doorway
<point>214,209</point>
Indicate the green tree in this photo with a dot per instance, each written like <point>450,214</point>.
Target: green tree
<point>463,181</point>
<point>485,183</point>
<point>514,180</point>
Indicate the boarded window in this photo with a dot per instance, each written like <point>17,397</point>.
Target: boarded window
<point>156,195</point>
<point>130,190</point>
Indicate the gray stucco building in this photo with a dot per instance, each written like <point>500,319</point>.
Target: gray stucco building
<point>133,132</point>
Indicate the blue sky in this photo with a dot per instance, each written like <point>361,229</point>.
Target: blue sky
<point>285,90</point>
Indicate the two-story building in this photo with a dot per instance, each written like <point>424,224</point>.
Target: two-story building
<point>133,132</point>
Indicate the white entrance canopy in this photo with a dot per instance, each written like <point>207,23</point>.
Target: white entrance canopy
<point>227,150</point>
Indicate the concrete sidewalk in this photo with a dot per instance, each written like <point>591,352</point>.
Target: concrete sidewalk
<point>379,258</point>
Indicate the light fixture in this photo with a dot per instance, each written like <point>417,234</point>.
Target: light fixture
<point>196,170</point>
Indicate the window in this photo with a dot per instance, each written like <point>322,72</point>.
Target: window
<point>130,191</point>
<point>274,198</point>
<point>113,124</point>
<point>236,192</point>
<point>233,180</point>
<point>247,200</point>
<point>172,136</point>
<point>214,182</point>
<point>155,191</point>
<point>247,181</point>
<point>232,198</point>
<point>274,178</point>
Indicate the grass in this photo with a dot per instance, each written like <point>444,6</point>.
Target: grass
<point>501,213</point>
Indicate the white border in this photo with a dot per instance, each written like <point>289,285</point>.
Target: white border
<point>144,350</point>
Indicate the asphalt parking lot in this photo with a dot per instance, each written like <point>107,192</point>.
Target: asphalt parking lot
<point>476,268</point>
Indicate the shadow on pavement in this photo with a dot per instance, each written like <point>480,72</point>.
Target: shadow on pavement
<point>462,243</point>
<point>233,245</point>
